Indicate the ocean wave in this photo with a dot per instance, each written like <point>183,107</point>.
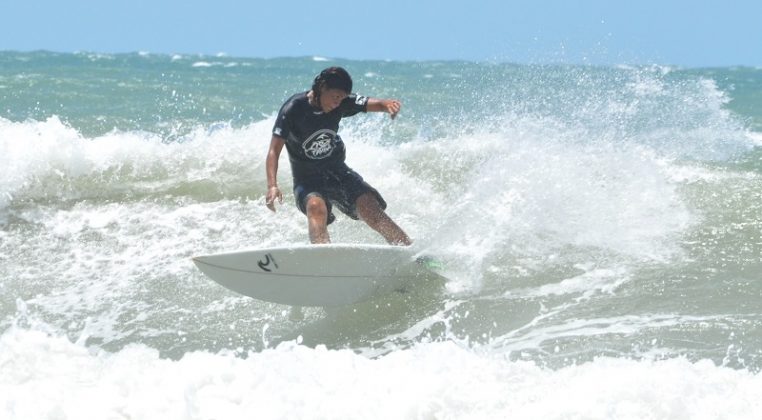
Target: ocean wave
<point>566,201</point>
<point>43,376</point>
<point>540,182</point>
<point>50,161</point>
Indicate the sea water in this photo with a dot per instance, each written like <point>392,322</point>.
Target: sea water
<point>600,229</point>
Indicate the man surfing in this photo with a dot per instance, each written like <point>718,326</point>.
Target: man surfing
<point>307,125</point>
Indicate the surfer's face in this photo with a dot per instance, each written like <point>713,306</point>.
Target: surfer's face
<point>330,99</point>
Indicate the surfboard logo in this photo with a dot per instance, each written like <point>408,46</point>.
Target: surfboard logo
<point>268,263</point>
<point>320,145</point>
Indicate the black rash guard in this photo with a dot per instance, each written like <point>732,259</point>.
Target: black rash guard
<point>311,135</point>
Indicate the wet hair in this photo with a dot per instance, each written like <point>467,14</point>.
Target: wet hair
<point>332,78</point>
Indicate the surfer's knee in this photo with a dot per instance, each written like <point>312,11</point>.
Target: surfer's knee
<point>369,210</point>
<point>316,207</point>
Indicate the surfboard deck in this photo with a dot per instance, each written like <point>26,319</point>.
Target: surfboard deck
<point>314,275</point>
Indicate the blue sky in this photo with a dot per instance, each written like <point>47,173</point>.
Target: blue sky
<point>686,33</point>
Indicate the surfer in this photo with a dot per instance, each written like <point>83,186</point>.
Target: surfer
<point>307,125</point>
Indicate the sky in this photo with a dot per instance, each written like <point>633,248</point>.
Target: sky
<point>695,33</point>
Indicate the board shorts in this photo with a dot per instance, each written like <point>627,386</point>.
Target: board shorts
<point>340,187</point>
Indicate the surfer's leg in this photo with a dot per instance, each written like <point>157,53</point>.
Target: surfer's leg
<point>317,219</point>
<point>370,211</point>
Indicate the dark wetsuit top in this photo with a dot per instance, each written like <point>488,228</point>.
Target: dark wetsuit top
<point>311,135</point>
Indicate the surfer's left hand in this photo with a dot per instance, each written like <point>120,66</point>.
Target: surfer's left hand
<point>393,107</point>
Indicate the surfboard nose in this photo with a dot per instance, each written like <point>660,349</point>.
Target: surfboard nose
<point>200,260</point>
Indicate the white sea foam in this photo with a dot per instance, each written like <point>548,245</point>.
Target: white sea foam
<point>43,160</point>
<point>541,330</point>
<point>204,64</point>
<point>49,377</point>
<point>755,137</point>
<point>593,280</point>
<point>546,194</point>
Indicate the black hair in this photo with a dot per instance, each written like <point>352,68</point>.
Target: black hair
<point>332,78</point>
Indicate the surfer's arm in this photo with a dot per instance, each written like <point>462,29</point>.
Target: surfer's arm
<point>391,106</point>
<point>273,192</point>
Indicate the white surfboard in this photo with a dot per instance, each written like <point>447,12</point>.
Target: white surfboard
<point>314,275</point>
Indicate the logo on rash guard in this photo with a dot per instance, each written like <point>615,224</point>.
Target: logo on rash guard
<point>320,145</point>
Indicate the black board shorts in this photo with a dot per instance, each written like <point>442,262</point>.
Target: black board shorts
<point>340,187</point>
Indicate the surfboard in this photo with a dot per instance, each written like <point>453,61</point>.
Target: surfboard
<point>314,275</point>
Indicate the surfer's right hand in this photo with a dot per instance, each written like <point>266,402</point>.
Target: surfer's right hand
<point>273,193</point>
